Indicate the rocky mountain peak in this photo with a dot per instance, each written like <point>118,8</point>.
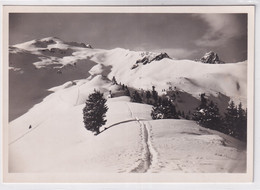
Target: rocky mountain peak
<point>148,57</point>
<point>211,58</point>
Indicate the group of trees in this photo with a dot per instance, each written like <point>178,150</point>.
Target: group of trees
<point>164,110</point>
<point>148,97</point>
<point>94,112</point>
<point>125,89</point>
<point>207,114</point>
<point>233,123</point>
<point>135,97</point>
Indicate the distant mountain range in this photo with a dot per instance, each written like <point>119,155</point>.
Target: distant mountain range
<point>38,65</point>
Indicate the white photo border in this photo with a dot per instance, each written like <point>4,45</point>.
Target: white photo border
<point>161,185</point>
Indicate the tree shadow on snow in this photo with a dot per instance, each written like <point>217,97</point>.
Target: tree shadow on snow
<point>115,124</point>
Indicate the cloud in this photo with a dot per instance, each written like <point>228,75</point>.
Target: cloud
<point>221,27</point>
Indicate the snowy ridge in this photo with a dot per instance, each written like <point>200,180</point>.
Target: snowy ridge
<point>178,146</point>
<point>191,76</point>
<point>52,50</point>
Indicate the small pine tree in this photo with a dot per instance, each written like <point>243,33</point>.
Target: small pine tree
<point>179,113</point>
<point>148,95</point>
<point>160,101</point>
<point>157,112</point>
<point>94,112</point>
<point>165,110</point>
<point>183,114</point>
<point>241,123</point>
<point>203,101</point>
<point>200,110</point>
<point>136,97</point>
<point>230,120</point>
<point>155,95</point>
<point>114,80</point>
<point>127,92</point>
<point>207,115</point>
<point>212,117</point>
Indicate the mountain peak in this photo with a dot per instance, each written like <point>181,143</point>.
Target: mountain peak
<point>212,58</point>
<point>52,41</point>
<point>50,38</point>
<point>148,57</point>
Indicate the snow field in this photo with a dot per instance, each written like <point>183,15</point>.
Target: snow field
<point>183,146</point>
<point>62,144</point>
<point>130,142</point>
<point>58,141</point>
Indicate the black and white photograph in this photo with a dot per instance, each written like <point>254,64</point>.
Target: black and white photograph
<point>133,93</point>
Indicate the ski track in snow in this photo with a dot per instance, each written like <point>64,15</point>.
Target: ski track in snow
<point>146,159</point>
<point>78,86</point>
<point>149,156</point>
<point>155,165</point>
<point>23,135</point>
<point>132,115</point>
<point>149,159</point>
<point>78,95</point>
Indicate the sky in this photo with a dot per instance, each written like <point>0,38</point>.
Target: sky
<point>182,36</point>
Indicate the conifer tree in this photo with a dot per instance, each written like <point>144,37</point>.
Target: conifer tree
<point>207,115</point>
<point>136,97</point>
<point>160,101</point>
<point>165,110</point>
<point>155,95</point>
<point>236,121</point>
<point>183,114</point>
<point>230,119</point>
<point>148,95</point>
<point>241,123</point>
<point>94,112</point>
<point>157,112</point>
<point>203,101</point>
<point>127,92</point>
<point>212,117</point>
<point>114,80</point>
<point>200,110</point>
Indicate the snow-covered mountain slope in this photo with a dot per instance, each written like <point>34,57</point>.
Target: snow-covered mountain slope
<point>58,141</point>
<point>190,76</point>
<point>35,66</point>
<point>51,61</point>
<point>49,135</point>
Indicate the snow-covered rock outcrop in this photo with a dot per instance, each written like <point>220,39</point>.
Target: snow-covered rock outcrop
<point>211,58</point>
<point>148,57</point>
